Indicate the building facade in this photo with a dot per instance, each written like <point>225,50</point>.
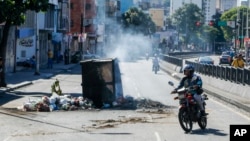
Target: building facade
<point>207,6</point>
<point>83,27</point>
<point>224,5</point>
<point>40,32</point>
<point>158,17</point>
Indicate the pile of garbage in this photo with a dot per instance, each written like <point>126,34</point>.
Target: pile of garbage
<point>56,102</point>
<point>60,101</point>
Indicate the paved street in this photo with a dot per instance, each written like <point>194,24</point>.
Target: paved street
<point>110,124</point>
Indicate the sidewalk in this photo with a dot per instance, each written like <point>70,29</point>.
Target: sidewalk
<point>230,92</point>
<point>25,76</point>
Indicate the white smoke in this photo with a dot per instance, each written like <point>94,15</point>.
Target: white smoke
<point>128,46</point>
<point>121,44</point>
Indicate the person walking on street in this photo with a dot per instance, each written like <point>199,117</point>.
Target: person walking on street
<point>156,64</point>
<point>50,59</point>
<point>238,62</point>
<point>66,56</point>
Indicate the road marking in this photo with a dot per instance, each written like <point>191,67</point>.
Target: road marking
<point>157,136</point>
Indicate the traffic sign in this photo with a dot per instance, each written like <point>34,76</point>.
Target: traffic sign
<point>222,23</point>
<point>241,37</point>
<point>231,24</point>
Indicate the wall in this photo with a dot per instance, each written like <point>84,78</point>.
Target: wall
<point>157,16</point>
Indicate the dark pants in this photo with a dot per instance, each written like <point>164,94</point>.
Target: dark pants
<point>50,63</point>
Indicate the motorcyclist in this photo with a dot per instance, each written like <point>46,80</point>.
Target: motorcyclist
<point>192,80</point>
<point>155,63</point>
<point>147,56</point>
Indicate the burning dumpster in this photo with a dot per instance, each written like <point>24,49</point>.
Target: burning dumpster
<point>98,81</point>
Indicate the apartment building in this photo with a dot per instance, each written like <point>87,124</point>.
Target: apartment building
<point>207,6</point>
<point>83,27</point>
<point>224,5</point>
<point>40,32</point>
<point>158,17</point>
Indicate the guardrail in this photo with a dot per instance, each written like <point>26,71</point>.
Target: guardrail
<point>172,60</point>
<point>227,73</point>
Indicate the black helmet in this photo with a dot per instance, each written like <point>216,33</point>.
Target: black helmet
<point>189,67</point>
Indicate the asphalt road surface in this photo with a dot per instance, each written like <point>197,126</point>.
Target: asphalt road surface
<point>146,124</point>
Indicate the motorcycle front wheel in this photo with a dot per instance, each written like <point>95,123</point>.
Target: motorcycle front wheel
<point>202,122</point>
<point>185,120</point>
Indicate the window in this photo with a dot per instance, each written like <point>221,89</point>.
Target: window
<point>71,5</point>
<point>88,6</point>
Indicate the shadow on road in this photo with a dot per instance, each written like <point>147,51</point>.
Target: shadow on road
<point>212,131</point>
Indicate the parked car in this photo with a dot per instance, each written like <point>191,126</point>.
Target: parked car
<point>205,60</point>
<point>225,58</point>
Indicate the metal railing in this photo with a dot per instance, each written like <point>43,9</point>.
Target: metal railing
<point>227,73</point>
<point>172,60</point>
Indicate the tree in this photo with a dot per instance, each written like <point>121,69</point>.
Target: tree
<point>138,22</point>
<point>13,13</point>
<point>231,15</point>
<point>186,18</point>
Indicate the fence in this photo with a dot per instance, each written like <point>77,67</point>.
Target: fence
<point>227,73</point>
<point>172,60</point>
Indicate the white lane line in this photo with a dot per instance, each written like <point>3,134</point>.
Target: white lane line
<point>157,136</point>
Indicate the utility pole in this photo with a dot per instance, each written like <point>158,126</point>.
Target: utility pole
<point>247,34</point>
<point>81,34</point>
<point>37,45</point>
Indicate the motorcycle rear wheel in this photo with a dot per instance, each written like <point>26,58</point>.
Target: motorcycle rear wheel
<point>155,70</point>
<point>185,120</point>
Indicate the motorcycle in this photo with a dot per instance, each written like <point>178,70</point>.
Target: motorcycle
<point>156,68</point>
<point>189,112</point>
<point>147,56</point>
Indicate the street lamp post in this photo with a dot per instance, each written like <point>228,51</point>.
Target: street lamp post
<point>37,45</point>
<point>247,34</point>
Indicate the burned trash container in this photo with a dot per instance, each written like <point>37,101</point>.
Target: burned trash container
<point>98,81</point>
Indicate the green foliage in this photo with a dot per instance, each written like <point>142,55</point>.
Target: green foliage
<point>14,10</point>
<point>209,34</point>
<point>138,22</point>
<point>185,19</point>
<point>231,15</point>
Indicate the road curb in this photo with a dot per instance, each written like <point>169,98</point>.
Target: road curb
<point>27,83</point>
<point>23,84</point>
<point>228,100</point>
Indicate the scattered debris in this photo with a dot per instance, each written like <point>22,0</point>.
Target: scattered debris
<point>60,101</point>
<point>56,102</point>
